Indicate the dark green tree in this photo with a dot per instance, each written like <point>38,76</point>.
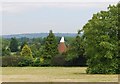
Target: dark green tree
<point>101,41</point>
<point>50,48</point>
<point>4,47</point>
<point>13,45</point>
<point>36,50</point>
<point>76,50</point>
<point>22,45</point>
<point>118,35</point>
<point>5,52</point>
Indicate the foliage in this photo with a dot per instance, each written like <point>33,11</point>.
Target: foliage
<point>118,35</point>
<point>50,49</point>
<point>4,42</point>
<point>25,62</point>
<point>22,45</point>
<point>10,61</point>
<point>26,52</point>
<point>0,46</point>
<point>4,47</point>
<point>36,62</point>
<point>41,60</point>
<point>59,60</point>
<point>36,49</point>
<point>69,41</point>
<point>13,45</point>
<point>76,50</point>
<point>5,52</point>
<point>101,41</point>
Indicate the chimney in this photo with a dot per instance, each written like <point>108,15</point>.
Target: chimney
<point>61,46</point>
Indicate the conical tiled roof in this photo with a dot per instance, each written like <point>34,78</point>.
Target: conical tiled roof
<point>61,46</point>
<point>62,39</point>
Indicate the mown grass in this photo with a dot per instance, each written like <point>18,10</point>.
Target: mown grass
<point>53,74</point>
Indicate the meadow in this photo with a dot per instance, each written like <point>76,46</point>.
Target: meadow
<point>53,74</point>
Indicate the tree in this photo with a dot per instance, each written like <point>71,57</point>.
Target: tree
<point>5,51</point>
<point>4,47</point>
<point>101,41</point>
<point>26,52</point>
<point>50,48</point>
<point>22,45</point>
<point>13,45</point>
<point>76,51</point>
<point>36,49</point>
<point>118,35</point>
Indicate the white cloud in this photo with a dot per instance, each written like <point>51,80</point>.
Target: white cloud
<point>17,7</point>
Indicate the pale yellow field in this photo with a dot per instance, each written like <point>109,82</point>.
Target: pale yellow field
<point>53,74</point>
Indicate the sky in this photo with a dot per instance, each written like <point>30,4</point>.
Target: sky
<point>33,16</point>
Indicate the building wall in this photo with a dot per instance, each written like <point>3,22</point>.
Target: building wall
<point>62,47</point>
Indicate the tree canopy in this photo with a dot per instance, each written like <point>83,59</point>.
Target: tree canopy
<point>13,45</point>
<point>26,51</point>
<point>101,41</point>
<point>50,47</point>
<point>76,50</point>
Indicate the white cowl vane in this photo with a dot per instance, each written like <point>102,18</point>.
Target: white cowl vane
<point>62,39</point>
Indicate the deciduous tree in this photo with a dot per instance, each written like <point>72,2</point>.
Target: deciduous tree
<point>101,41</point>
<point>76,50</point>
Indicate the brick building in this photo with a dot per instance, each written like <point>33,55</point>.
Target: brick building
<point>61,46</point>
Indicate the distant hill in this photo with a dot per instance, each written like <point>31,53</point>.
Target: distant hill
<point>36,35</point>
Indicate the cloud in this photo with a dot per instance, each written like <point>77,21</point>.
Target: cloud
<point>14,7</point>
<point>18,7</point>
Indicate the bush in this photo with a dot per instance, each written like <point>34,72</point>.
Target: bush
<point>79,61</point>
<point>11,61</point>
<point>25,62</point>
<point>58,60</point>
<point>36,62</point>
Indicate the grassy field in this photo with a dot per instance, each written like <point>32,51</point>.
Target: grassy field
<point>53,74</point>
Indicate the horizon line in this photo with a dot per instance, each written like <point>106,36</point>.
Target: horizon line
<point>38,33</point>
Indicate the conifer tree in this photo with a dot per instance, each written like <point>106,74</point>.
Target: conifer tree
<point>26,52</point>
<point>13,45</point>
<point>22,45</point>
<point>50,49</point>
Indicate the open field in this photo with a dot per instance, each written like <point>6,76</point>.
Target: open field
<point>53,74</point>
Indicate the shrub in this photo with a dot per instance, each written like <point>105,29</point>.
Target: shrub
<point>12,61</point>
<point>25,62</point>
<point>36,62</point>
<point>58,60</point>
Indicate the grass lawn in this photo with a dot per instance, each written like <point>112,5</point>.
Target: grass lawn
<point>53,74</point>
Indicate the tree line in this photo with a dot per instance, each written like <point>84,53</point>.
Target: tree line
<point>41,51</point>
